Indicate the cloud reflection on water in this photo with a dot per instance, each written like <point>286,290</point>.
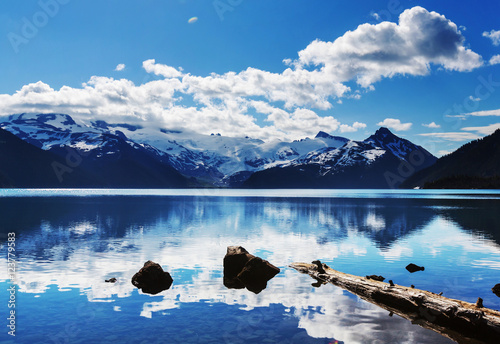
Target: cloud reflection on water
<point>79,243</point>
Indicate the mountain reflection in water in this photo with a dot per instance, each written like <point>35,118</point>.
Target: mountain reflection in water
<point>76,243</point>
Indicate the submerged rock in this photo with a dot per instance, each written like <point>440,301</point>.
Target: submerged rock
<point>152,279</point>
<point>244,270</point>
<point>414,268</point>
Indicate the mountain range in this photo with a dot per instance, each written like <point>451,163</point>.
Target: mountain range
<point>54,150</point>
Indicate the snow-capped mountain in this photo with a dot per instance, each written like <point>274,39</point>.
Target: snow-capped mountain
<point>78,155</point>
<point>211,159</point>
<point>206,159</point>
<point>381,161</point>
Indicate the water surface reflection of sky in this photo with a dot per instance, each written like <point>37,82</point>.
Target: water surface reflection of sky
<point>68,246</point>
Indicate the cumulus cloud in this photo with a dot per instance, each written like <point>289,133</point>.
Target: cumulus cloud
<point>120,67</point>
<point>432,125</point>
<point>160,69</point>
<point>394,123</point>
<point>494,35</point>
<point>387,49</point>
<point>494,60</point>
<point>344,128</point>
<point>301,122</point>
<point>224,102</point>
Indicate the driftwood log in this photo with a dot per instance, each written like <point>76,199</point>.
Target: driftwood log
<point>460,321</point>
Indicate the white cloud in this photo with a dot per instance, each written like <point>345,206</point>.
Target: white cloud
<point>486,130</point>
<point>453,136</point>
<point>474,99</point>
<point>344,128</point>
<point>159,69</point>
<point>387,49</point>
<point>222,102</point>
<point>375,15</point>
<point>484,113</point>
<point>495,60</point>
<point>120,67</point>
<point>494,35</point>
<point>302,122</point>
<point>432,125</point>
<point>393,123</point>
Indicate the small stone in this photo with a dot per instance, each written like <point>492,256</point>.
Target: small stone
<point>111,280</point>
<point>376,278</point>
<point>391,283</point>
<point>413,287</point>
<point>479,303</point>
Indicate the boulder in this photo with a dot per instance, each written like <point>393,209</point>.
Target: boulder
<point>244,270</point>
<point>152,279</point>
<point>235,260</point>
<point>111,280</point>
<point>376,278</point>
<point>414,268</point>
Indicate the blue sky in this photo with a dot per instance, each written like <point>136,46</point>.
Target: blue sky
<point>268,69</point>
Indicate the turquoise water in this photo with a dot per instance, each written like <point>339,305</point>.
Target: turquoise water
<point>66,246</point>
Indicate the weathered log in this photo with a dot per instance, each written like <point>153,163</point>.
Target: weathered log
<point>460,321</point>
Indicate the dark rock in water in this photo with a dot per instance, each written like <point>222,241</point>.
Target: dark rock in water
<point>244,270</point>
<point>235,260</point>
<point>233,283</point>
<point>414,268</point>
<point>152,279</point>
<point>496,289</point>
<point>376,278</point>
<point>412,286</point>
<point>111,280</point>
<point>256,273</point>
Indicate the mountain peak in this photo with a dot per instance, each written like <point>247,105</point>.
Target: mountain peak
<point>383,131</point>
<point>324,135</point>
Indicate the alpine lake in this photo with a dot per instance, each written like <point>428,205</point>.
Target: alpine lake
<point>69,242</point>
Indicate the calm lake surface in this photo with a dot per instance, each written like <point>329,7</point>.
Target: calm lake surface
<point>68,242</point>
